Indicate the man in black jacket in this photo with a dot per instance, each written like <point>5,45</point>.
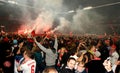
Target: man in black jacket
<point>69,67</point>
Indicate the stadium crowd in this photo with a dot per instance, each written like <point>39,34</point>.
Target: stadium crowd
<point>59,53</point>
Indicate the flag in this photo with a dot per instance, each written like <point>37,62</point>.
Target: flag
<point>33,33</point>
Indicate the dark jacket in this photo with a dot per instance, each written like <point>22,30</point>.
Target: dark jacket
<point>110,72</point>
<point>66,70</point>
<point>84,71</point>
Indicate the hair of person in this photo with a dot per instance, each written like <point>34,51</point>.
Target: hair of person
<point>53,50</point>
<point>28,52</point>
<point>88,56</point>
<point>50,70</point>
<point>36,49</point>
<point>51,46</point>
<point>91,46</point>
<point>85,59</point>
<point>81,62</point>
<point>22,50</point>
<point>71,59</point>
<point>79,54</point>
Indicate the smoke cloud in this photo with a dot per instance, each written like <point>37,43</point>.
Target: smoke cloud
<point>86,21</point>
<point>40,15</point>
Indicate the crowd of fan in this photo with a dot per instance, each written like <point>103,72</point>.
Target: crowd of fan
<point>65,53</point>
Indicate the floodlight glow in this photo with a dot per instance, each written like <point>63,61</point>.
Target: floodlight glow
<point>71,11</point>
<point>87,8</point>
<point>12,2</point>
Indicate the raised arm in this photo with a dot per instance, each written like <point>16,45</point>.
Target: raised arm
<point>56,42</point>
<point>39,45</point>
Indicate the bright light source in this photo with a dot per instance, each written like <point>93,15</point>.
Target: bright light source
<point>87,8</point>
<point>12,2</point>
<point>71,11</point>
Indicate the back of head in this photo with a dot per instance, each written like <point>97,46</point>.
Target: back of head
<point>28,52</point>
<point>50,70</point>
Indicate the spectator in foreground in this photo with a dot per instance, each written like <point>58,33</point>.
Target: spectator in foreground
<point>50,70</point>
<point>29,64</point>
<point>69,67</point>
<point>81,68</point>
<point>108,66</point>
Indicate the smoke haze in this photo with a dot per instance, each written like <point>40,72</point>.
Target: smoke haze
<point>40,15</point>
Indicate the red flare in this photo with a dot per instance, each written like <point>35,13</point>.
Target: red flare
<point>33,33</point>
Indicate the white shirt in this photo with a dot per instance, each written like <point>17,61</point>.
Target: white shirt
<point>28,67</point>
<point>16,64</point>
<point>114,57</point>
